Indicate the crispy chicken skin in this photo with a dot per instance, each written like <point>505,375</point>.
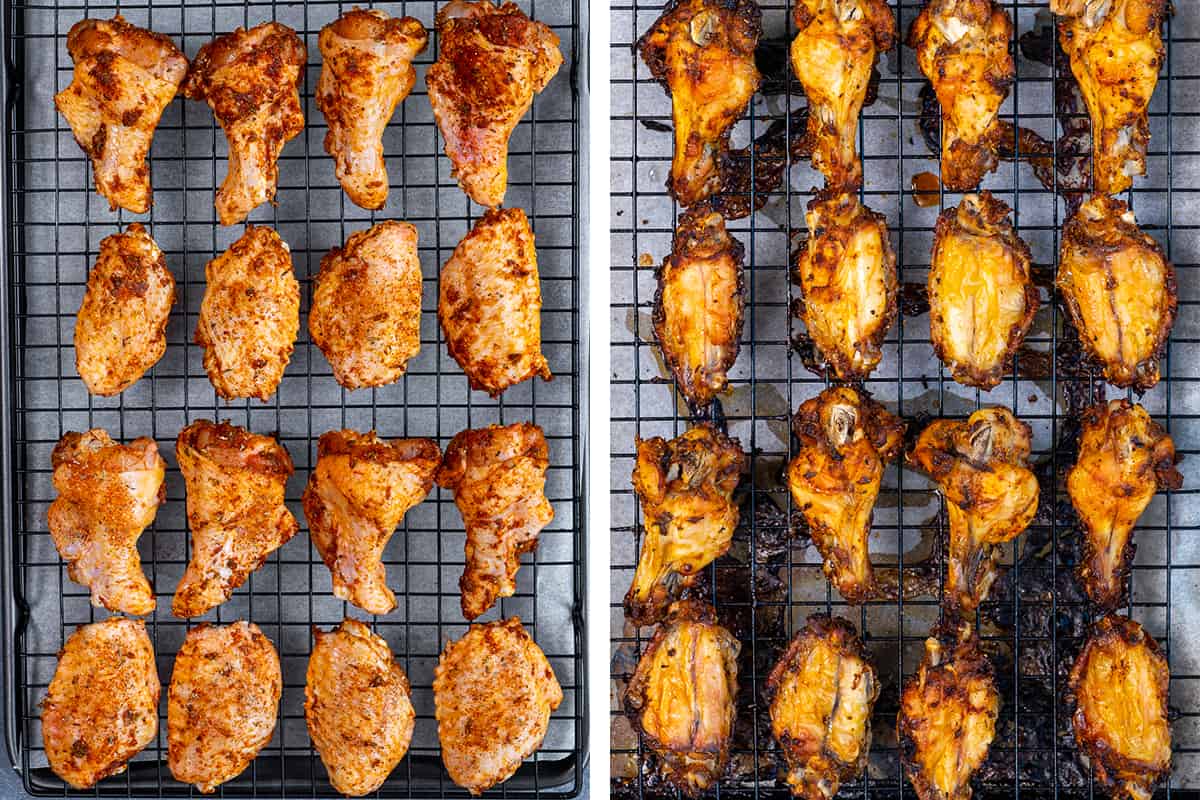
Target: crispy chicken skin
<point>963,49</point>
<point>366,71</point>
<point>1119,289</point>
<point>124,77</point>
<point>685,487</point>
<point>846,438</point>
<point>490,303</point>
<point>251,81</point>
<point>702,52</point>
<point>821,694</point>
<point>981,296</point>
<point>222,703</point>
<point>1116,51</point>
<point>249,315</point>
<point>498,477</point>
<point>235,481</point>
<point>1118,695</point>
<point>981,467</point>
<point>357,707</point>
<point>358,493</point>
<point>493,693</point>
<point>700,305</point>
<point>366,305</point>
<point>846,270</point>
<point>836,46</point>
<point>492,60</point>
<point>1124,458</point>
<point>681,696</point>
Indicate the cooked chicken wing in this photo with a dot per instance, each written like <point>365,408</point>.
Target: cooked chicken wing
<point>702,52</point>
<point>493,693</point>
<point>358,493</point>
<point>235,481</point>
<point>102,705</point>
<point>846,270</point>
<point>357,707</point>
<point>251,80</point>
<point>821,694</point>
<point>498,477</point>
<point>222,703</point>
<point>845,440</point>
<point>981,297</point>
<point>249,315</point>
<point>1118,693</point>
<point>962,48</point>
<point>686,490</point>
<point>366,305</point>
<point>492,60</point>
<point>1116,51</point>
<point>366,71</point>
<point>107,494</point>
<point>1119,289</point>
<point>124,77</point>
<point>981,467</point>
<point>1124,458</point>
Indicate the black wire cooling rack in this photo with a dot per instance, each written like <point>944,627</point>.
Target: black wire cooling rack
<point>53,226</point>
<point>771,580</point>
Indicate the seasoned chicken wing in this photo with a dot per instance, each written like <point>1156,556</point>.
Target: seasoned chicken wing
<point>846,438</point>
<point>498,477</point>
<point>235,481</point>
<point>821,694</point>
<point>963,49</point>
<point>102,705</point>
<point>358,493</point>
<point>251,81</point>
<point>702,52</point>
<point>366,305</point>
<point>357,707</point>
<point>249,315</point>
<point>688,513</point>
<point>1124,458</point>
<point>1119,289</point>
<point>846,270</point>
<point>366,71</point>
<point>125,76</point>
<point>493,694</point>
<point>492,60</point>
<point>981,297</point>
<point>222,703</point>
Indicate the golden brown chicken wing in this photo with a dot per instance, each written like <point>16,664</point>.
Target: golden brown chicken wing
<point>821,694</point>
<point>366,72</point>
<point>492,60</point>
<point>498,477</point>
<point>102,705</point>
<point>251,80</point>
<point>963,49</point>
<point>686,490</point>
<point>702,52</point>
<point>981,297</point>
<point>1119,289</point>
<point>1124,458</point>
<point>846,270</point>
<point>366,305</point>
<point>124,77</point>
<point>1118,696</point>
<point>846,438</point>
<point>358,493</point>
<point>235,481</point>
<point>222,703</point>
<point>981,467</point>
<point>493,693</point>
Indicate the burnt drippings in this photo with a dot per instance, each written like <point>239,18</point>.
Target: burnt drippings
<point>914,299</point>
<point>655,125</point>
<point>750,174</point>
